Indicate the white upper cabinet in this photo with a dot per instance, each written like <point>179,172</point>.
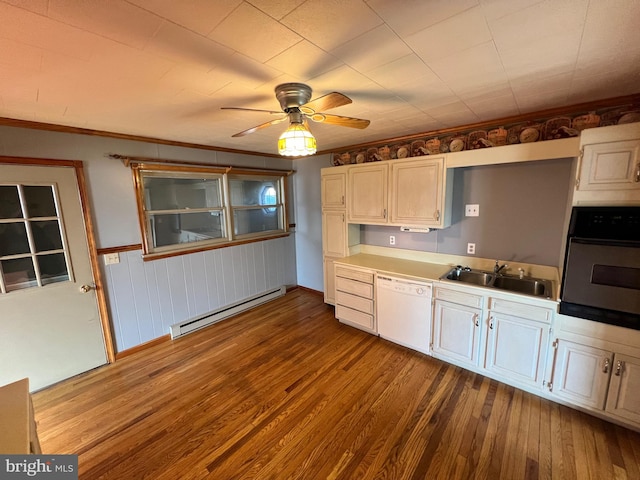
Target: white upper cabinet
<point>334,190</point>
<point>367,190</point>
<point>417,192</point>
<point>408,193</point>
<point>609,167</point>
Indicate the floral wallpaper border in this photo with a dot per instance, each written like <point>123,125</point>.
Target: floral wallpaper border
<point>542,129</point>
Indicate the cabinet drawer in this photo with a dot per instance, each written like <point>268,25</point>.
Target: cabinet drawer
<point>353,286</point>
<point>352,301</point>
<point>353,274</point>
<point>354,316</point>
<point>521,310</point>
<point>461,298</point>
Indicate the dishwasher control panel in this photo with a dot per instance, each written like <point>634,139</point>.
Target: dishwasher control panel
<point>404,286</point>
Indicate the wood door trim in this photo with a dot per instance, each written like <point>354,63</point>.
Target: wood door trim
<point>78,166</point>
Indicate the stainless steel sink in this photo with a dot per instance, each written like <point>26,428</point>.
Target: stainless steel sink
<point>525,285</point>
<point>475,277</point>
<point>529,286</point>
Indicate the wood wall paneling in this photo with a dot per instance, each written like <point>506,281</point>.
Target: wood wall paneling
<point>146,298</point>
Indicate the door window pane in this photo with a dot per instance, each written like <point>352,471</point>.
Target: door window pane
<point>32,236</point>
<point>18,273</point>
<point>53,268</point>
<point>40,201</point>
<point>46,235</point>
<point>10,202</point>
<point>13,239</point>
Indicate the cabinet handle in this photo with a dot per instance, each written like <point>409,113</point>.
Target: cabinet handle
<point>637,173</point>
<point>605,368</point>
<point>342,200</point>
<point>491,323</point>
<point>384,214</point>
<point>618,368</point>
<point>437,215</point>
<point>475,319</point>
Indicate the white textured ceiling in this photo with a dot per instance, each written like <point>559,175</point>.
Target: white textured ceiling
<point>163,68</point>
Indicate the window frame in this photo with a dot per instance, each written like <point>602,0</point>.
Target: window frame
<point>279,206</point>
<point>141,170</point>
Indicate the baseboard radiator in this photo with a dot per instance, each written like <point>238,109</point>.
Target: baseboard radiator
<point>188,326</point>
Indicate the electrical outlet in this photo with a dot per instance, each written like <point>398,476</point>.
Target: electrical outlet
<point>472,210</point>
<point>111,258</point>
<point>392,239</point>
<point>471,248</point>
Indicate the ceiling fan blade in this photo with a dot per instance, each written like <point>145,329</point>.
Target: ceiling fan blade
<point>326,102</point>
<point>261,126</point>
<point>339,120</point>
<point>251,110</point>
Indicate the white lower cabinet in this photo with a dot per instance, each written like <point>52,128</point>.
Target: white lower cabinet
<point>517,341</point>
<point>516,348</point>
<point>456,332</point>
<point>599,379</point>
<point>457,325</point>
<point>581,374</point>
<point>354,297</point>
<point>623,398</point>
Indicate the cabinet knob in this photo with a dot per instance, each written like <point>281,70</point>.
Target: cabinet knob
<point>618,368</point>
<point>605,367</point>
<point>475,319</point>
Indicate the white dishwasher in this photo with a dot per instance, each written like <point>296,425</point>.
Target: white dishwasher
<point>404,311</point>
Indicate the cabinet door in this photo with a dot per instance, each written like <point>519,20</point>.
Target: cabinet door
<point>611,166</point>
<point>367,193</point>
<point>456,332</point>
<point>333,190</point>
<point>416,192</point>
<point>624,392</point>
<point>582,374</point>
<point>517,348</point>
<point>334,233</point>
<point>329,281</point>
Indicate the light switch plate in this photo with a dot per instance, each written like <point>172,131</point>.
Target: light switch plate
<point>111,258</point>
<point>472,210</point>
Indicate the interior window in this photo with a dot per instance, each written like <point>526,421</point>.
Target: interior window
<point>256,206</point>
<point>186,209</point>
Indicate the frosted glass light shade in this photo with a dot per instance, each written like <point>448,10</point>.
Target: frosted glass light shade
<point>296,141</point>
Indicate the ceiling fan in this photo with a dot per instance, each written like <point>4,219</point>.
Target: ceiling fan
<point>296,106</point>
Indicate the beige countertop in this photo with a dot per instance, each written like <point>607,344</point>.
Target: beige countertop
<point>397,266</point>
<point>431,266</point>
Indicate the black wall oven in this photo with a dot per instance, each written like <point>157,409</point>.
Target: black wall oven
<point>601,278</point>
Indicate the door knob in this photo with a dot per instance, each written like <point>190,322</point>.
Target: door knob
<point>87,288</point>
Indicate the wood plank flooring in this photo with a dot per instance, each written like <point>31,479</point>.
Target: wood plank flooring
<point>286,392</point>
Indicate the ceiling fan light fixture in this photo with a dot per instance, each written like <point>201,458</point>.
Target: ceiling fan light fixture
<point>296,141</point>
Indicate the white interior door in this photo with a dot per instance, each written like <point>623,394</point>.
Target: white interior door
<point>50,328</point>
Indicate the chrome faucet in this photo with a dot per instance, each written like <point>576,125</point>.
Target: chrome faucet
<point>498,268</point>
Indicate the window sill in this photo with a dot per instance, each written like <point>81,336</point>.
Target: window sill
<point>147,257</point>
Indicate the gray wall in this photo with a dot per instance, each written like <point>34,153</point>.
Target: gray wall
<point>146,297</point>
<point>522,212</point>
<point>309,220</point>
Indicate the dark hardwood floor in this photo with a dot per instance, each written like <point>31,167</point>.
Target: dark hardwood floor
<point>284,391</point>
